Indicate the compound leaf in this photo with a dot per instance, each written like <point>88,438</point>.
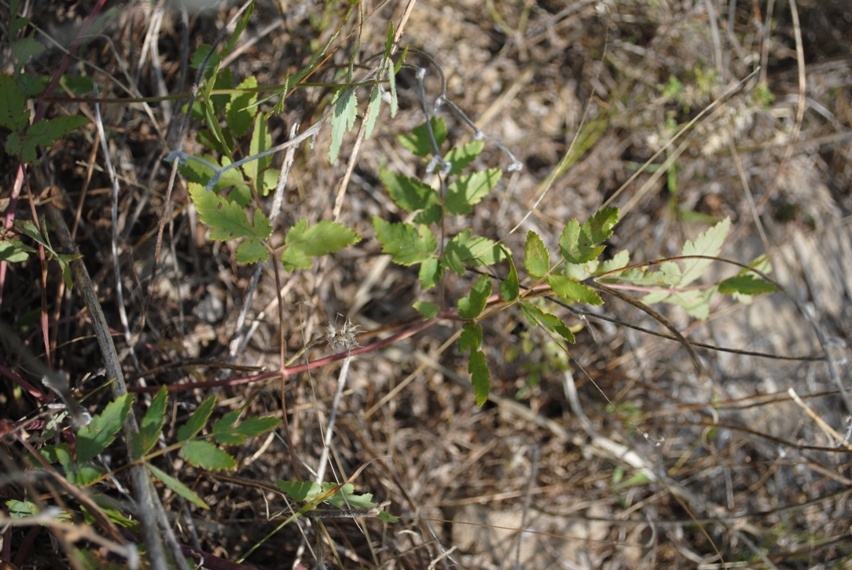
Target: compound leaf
<point>472,306</point>
<point>197,420</point>
<point>408,193</point>
<point>467,191</point>
<point>100,433</point>
<point>304,242</point>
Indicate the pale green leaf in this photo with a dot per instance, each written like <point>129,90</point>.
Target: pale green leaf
<point>206,455</point>
<point>405,243</point>
<point>428,310</point>
<point>467,191</point>
<point>579,244</point>
<point>342,119</point>
<point>709,244</point>
<point>100,433</point>
<point>225,219</point>
<point>459,158</point>
<point>197,420</point>
<point>536,257</point>
<point>305,242</point>
<point>151,425</point>
<point>619,260</point>
<point>472,306</point>
<point>372,111</point>
<point>430,273</point>
<point>394,101</point>
<point>176,486</point>
<point>573,291</point>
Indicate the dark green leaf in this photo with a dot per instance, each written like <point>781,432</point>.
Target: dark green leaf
<point>241,109</point>
<point>431,215</point>
<point>472,306</point>
<point>100,433</point>
<point>408,193</point>
<point>479,376</point>
<point>206,455</point>
<point>151,425</point>
<point>510,287</point>
<point>746,285</point>
<point>471,337</point>
<point>42,134</point>
<point>252,427</point>
<point>13,105</point>
<point>418,141</point>
<point>251,251</point>
<point>197,420</point>
<point>405,243</point>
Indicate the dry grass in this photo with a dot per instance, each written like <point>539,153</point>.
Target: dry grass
<point>725,470</point>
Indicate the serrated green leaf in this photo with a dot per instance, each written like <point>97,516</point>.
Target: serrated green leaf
<point>510,287</point>
<point>418,141</point>
<point>225,219</point>
<point>431,215</point>
<point>223,429</point>
<point>472,306</point>
<point>342,119</point>
<point>304,242</point>
<point>240,109</point>
<point>428,310</point>
<point>459,158</point>
<point>405,243</point>
<point>467,250</point>
<point>467,191</point>
<point>709,243</point>
<point>746,285</point>
<point>24,48</point>
<point>537,317</point>
<point>573,291</point>
<point>207,456</point>
<point>471,337</point>
<point>536,257</point>
<point>430,273</point>
<point>408,193</point>
<point>299,491</point>
<point>373,109</point>
<point>479,376</point>
<point>619,260</point>
<point>151,425</point>
<point>14,114</point>
<point>176,486</point>
<point>197,420</point>
<point>251,251</point>
<point>253,427</point>
<point>100,433</point>
<point>229,45</point>
<point>42,134</point>
<point>578,244</point>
